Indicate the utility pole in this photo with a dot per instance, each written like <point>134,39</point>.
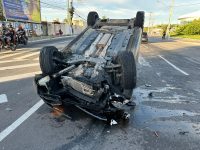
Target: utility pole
<point>70,11</point>
<point>171,9</point>
<point>149,22</point>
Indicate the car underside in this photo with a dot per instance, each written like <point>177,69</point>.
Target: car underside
<point>96,72</point>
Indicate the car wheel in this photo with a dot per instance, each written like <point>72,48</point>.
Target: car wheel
<point>92,18</point>
<point>46,59</point>
<point>128,70</point>
<point>139,20</point>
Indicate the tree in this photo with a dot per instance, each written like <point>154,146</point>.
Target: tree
<point>192,28</point>
<point>104,17</point>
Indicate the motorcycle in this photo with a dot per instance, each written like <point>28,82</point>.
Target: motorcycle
<point>4,44</point>
<point>21,38</point>
<point>1,43</point>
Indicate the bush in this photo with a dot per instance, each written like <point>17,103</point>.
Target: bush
<point>192,28</point>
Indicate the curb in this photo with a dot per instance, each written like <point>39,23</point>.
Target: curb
<point>33,41</point>
<point>186,40</point>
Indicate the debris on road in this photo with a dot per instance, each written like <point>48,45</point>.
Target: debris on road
<point>183,132</point>
<point>150,94</point>
<point>147,85</point>
<point>58,111</point>
<point>8,109</point>
<point>156,133</point>
<point>3,98</point>
<point>113,122</point>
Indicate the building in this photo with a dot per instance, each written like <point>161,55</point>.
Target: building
<point>189,17</point>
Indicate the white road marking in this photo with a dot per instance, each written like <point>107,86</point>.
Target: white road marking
<point>8,61</point>
<point>6,52</point>
<point>20,120</point>
<point>28,55</point>
<point>3,98</point>
<point>145,46</point>
<point>36,58</point>
<point>17,77</point>
<point>18,66</point>
<point>175,67</point>
<point>13,54</point>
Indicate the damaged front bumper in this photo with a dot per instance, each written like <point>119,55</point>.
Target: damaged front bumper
<point>100,103</point>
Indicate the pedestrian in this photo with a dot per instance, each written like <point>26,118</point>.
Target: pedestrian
<point>164,34</point>
<point>60,32</point>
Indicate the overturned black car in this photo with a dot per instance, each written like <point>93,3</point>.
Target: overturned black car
<point>96,72</point>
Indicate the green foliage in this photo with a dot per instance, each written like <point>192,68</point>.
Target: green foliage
<point>145,29</point>
<point>192,28</point>
<point>104,17</point>
<point>163,27</point>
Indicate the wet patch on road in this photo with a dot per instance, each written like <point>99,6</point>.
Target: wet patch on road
<point>150,116</point>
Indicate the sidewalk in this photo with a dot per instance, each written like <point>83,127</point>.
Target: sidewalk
<point>45,38</point>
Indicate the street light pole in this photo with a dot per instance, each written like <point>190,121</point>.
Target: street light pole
<point>68,14</point>
<point>170,18</point>
<point>149,22</point>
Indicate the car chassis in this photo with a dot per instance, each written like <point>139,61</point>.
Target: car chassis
<point>96,72</point>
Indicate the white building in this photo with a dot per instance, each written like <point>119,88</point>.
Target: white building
<point>189,17</point>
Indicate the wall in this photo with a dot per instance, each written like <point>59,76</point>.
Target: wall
<point>52,29</point>
<point>29,27</point>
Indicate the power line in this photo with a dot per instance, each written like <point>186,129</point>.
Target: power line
<point>61,8</point>
<point>189,4</point>
<point>53,6</point>
<point>177,5</point>
<point>79,15</point>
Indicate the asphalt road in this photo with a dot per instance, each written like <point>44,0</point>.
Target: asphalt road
<point>167,115</point>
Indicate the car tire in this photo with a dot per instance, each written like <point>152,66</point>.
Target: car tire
<point>47,64</point>
<point>128,70</point>
<point>139,20</point>
<point>92,18</point>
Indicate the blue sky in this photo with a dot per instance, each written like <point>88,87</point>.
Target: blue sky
<point>120,8</point>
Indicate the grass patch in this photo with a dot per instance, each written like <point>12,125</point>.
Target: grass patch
<point>195,37</point>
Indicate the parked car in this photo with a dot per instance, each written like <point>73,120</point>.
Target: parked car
<point>145,37</point>
<point>96,72</point>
